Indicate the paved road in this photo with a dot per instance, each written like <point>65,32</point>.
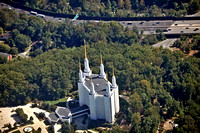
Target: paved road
<point>166,43</point>
<point>126,98</point>
<point>24,54</point>
<point>149,27</point>
<point>182,27</point>
<point>194,15</point>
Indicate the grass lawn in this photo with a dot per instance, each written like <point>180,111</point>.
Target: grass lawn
<point>56,102</point>
<point>16,131</point>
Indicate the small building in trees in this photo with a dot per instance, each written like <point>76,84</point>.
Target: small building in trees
<point>5,36</point>
<point>8,56</point>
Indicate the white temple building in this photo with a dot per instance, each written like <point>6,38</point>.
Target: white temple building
<point>95,91</point>
<point>97,97</point>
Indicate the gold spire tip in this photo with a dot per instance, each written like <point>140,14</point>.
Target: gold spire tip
<point>113,71</point>
<point>91,79</point>
<point>101,59</point>
<point>79,65</point>
<point>107,76</point>
<point>85,51</point>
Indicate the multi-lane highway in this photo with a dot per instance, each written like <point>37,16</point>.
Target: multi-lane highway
<point>148,27</point>
<point>184,27</point>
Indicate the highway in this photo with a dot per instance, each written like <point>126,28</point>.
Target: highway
<point>184,27</point>
<point>148,27</point>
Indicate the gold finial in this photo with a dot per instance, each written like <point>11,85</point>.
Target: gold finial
<point>107,76</point>
<point>101,59</point>
<point>85,50</point>
<point>113,72</point>
<point>91,79</point>
<point>79,64</point>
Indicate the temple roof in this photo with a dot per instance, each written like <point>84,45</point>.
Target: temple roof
<point>99,84</point>
<point>61,111</point>
<point>53,117</point>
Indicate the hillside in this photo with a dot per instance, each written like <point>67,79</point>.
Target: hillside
<point>116,8</point>
<point>160,84</point>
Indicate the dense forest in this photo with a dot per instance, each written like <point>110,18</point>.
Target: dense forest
<point>160,83</point>
<point>116,8</point>
<point>188,43</point>
<point>27,29</point>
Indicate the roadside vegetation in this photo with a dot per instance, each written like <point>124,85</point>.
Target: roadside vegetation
<point>116,8</point>
<point>188,44</point>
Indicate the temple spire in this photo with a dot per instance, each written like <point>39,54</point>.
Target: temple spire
<point>114,84</point>
<point>87,71</point>
<point>79,65</point>
<point>113,72</point>
<point>101,59</point>
<point>92,90</point>
<point>80,73</point>
<point>91,79</point>
<point>107,77</point>
<point>85,50</point>
<point>107,87</point>
<point>102,73</point>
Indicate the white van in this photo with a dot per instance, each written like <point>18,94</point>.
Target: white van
<point>34,13</point>
<point>41,15</point>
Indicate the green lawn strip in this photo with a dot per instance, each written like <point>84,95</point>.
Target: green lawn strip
<point>56,101</point>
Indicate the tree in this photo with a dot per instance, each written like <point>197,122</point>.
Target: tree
<point>3,59</point>
<point>67,128</point>
<point>27,100</point>
<point>4,48</point>
<point>1,30</point>
<point>194,6</point>
<point>13,51</point>
<point>22,42</point>
<point>120,4</point>
<point>41,115</point>
<point>127,4</point>
<point>135,121</point>
<point>136,103</point>
<point>31,118</point>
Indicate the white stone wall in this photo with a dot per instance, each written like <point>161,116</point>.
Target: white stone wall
<point>92,101</point>
<point>116,99</point>
<point>100,107</point>
<point>83,93</point>
<point>112,108</point>
<point>107,101</point>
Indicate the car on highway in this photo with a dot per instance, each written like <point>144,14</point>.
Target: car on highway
<point>41,15</point>
<point>33,13</point>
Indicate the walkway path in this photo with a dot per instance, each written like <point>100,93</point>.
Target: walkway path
<point>9,118</point>
<point>24,54</point>
<point>167,126</point>
<point>166,43</point>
